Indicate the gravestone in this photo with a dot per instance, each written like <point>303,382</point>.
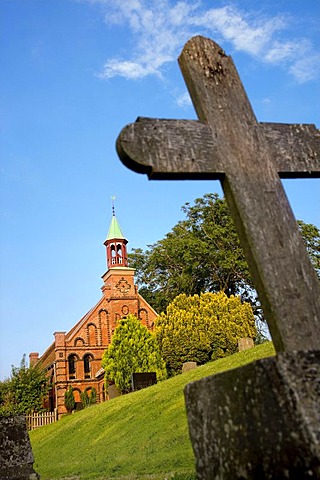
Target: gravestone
<point>260,421</point>
<point>143,380</point>
<point>187,366</point>
<point>245,344</point>
<point>113,392</point>
<point>16,458</point>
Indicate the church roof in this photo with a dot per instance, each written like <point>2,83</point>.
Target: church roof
<point>114,230</point>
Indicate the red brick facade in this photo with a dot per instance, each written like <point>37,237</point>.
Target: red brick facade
<point>74,358</point>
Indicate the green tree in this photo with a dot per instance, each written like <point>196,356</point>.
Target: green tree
<point>88,400</point>
<point>69,400</point>
<point>7,405</point>
<point>133,350</point>
<point>202,327</point>
<point>311,237</point>
<point>85,400</point>
<point>24,391</point>
<point>203,254</point>
<point>93,396</point>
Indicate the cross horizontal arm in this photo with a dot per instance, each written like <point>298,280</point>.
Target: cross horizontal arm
<point>295,148</point>
<point>185,149</point>
<point>170,149</point>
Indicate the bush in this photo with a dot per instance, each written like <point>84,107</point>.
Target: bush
<point>202,327</point>
<point>69,401</point>
<point>87,399</point>
<point>93,396</point>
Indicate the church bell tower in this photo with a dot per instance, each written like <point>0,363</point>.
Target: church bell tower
<point>119,278</point>
<point>116,245</point>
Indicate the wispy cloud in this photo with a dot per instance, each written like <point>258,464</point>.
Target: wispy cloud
<point>246,33</point>
<point>306,68</point>
<point>184,100</point>
<point>127,69</point>
<point>283,51</point>
<point>159,29</point>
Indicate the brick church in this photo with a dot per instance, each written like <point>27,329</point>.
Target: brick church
<point>74,358</point>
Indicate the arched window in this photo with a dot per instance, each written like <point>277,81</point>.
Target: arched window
<point>78,341</point>
<point>119,253</point>
<point>113,254</point>
<point>87,365</point>
<point>92,334</point>
<point>143,316</point>
<point>72,359</point>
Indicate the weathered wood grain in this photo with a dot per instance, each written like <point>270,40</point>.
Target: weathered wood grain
<point>161,149</point>
<point>295,149</point>
<point>170,149</point>
<point>228,143</point>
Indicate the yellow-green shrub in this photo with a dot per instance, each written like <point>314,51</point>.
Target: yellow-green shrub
<point>202,327</point>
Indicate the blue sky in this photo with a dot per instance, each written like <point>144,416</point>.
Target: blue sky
<point>73,74</point>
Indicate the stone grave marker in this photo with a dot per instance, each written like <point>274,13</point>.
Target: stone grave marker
<point>187,366</point>
<point>16,457</point>
<point>245,344</point>
<point>113,392</point>
<point>143,380</point>
<point>260,421</point>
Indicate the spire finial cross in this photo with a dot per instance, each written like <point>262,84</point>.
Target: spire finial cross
<point>113,208</point>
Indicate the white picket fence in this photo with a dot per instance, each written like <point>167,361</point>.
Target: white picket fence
<point>37,420</point>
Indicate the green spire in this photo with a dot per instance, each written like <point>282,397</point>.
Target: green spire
<point>114,229</point>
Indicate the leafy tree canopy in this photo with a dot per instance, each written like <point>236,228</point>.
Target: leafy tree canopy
<point>133,350</point>
<point>202,327</point>
<point>202,254</point>
<point>88,399</point>
<point>311,237</point>
<point>24,391</point>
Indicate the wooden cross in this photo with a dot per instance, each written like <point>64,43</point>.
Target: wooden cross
<point>227,143</point>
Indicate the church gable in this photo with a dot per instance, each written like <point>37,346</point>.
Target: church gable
<point>88,330</point>
<point>146,313</point>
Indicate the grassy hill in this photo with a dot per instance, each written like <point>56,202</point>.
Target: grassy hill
<point>143,435</point>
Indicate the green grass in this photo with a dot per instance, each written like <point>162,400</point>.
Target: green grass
<point>143,435</point>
